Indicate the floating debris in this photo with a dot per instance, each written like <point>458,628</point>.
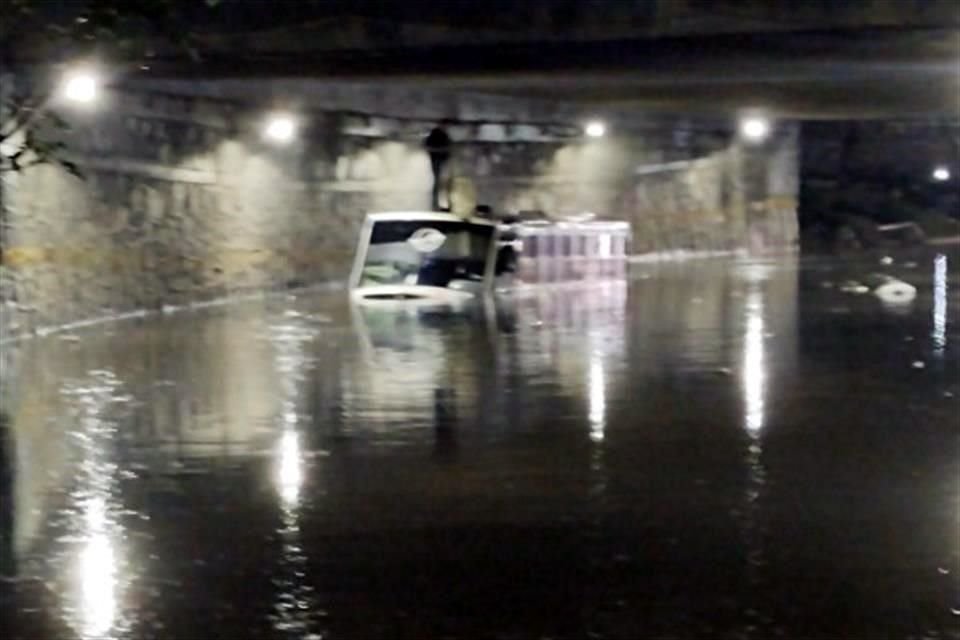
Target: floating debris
<point>919,364</point>
<point>852,286</point>
<point>896,292</point>
<point>886,260</point>
<point>890,290</point>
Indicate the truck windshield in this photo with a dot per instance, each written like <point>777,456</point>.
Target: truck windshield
<point>426,252</point>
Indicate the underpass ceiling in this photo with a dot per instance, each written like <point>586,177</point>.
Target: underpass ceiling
<point>862,73</point>
<point>794,58</point>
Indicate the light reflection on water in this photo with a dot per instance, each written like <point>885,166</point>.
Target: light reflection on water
<point>290,470</point>
<point>939,333</point>
<point>755,378</point>
<point>598,399</point>
<point>293,602</point>
<point>754,373</point>
<point>98,586</point>
<point>602,423</point>
<point>94,541</point>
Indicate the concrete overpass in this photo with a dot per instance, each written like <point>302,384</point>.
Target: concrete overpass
<point>798,58</point>
<point>844,72</point>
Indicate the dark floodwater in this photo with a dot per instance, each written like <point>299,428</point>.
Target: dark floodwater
<point>716,449</point>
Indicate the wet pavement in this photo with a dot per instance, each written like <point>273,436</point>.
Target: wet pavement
<point>719,448</point>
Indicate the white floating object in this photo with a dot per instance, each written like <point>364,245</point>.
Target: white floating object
<point>896,292</point>
<point>919,364</point>
<point>886,260</point>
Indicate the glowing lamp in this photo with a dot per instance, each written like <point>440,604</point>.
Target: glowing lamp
<point>755,128</point>
<point>80,86</point>
<point>595,129</point>
<point>280,128</point>
<point>941,174</point>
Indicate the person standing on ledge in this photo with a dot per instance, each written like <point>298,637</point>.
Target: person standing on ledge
<point>438,145</point>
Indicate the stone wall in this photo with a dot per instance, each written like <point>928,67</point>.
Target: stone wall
<point>737,197</point>
<point>183,201</point>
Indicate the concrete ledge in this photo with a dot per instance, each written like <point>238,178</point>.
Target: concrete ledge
<point>146,169</point>
<point>39,332</point>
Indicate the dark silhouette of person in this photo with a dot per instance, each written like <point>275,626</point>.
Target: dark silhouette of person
<point>438,145</point>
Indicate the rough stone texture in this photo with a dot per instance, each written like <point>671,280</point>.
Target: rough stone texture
<point>737,197</point>
<point>184,202</point>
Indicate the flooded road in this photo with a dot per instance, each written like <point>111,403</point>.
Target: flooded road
<point>720,448</point>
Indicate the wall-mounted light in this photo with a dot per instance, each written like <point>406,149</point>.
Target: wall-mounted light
<point>941,174</point>
<point>80,86</point>
<point>595,129</point>
<point>280,128</point>
<point>755,128</point>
